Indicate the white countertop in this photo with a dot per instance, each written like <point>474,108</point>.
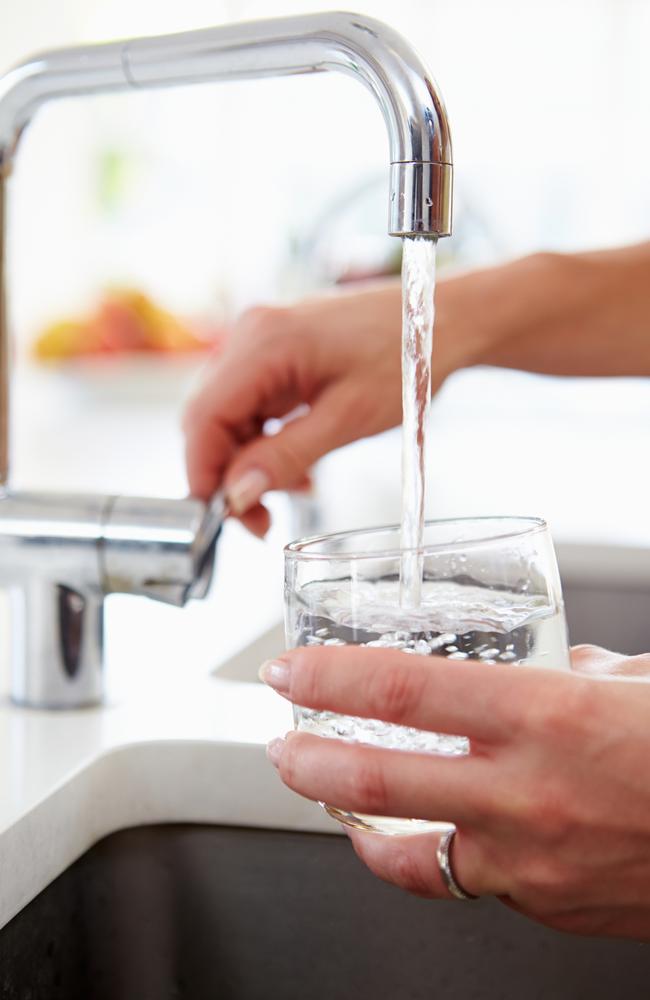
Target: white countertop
<point>191,752</point>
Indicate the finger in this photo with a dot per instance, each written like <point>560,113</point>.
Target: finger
<point>254,368</point>
<point>209,447</point>
<point>363,779</point>
<point>411,863</point>
<point>587,659</point>
<point>249,383</point>
<point>305,485</point>
<point>257,520</point>
<point>283,460</point>
<point>482,701</point>
<point>598,662</point>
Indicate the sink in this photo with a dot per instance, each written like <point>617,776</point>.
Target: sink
<point>607,594</point>
<point>204,912</point>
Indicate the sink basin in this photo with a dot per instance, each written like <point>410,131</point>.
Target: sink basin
<point>205,912</point>
<point>607,594</point>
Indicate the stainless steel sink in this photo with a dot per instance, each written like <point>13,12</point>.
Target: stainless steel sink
<point>607,594</point>
<point>218,913</point>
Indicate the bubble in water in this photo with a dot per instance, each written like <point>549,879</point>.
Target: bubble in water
<point>488,626</point>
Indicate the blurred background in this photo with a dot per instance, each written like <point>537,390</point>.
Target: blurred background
<point>147,194</point>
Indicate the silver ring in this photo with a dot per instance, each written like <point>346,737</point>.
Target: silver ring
<point>444,863</point>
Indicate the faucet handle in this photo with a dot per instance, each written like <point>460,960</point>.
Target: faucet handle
<point>61,554</point>
<point>162,549</point>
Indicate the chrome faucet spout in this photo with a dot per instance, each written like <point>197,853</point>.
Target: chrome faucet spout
<point>370,51</point>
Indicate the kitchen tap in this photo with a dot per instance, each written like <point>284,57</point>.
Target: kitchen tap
<point>61,554</point>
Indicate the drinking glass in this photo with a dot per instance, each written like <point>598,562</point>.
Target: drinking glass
<point>490,592</point>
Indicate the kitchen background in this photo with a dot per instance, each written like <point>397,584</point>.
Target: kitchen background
<point>549,104</point>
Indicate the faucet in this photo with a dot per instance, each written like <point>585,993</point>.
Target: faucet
<point>62,554</point>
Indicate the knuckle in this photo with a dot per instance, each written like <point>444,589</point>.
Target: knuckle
<point>589,659</point>
<point>394,693</point>
<point>492,804</point>
<point>367,788</point>
<point>350,407</point>
<point>549,817</point>
<point>356,408</point>
<point>563,715</point>
<point>305,676</point>
<point>264,323</point>
<point>585,651</point>
<point>636,666</point>
<point>289,457</point>
<point>544,814</point>
<point>541,812</point>
<point>404,871</point>
<point>542,882</point>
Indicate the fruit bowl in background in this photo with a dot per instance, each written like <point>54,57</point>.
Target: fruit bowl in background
<point>125,379</point>
<point>127,348</point>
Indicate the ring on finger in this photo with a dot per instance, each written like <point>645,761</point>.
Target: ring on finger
<point>444,863</point>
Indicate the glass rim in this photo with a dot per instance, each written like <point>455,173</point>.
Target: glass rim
<point>299,549</point>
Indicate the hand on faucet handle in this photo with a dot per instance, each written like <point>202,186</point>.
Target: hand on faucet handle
<point>329,369</point>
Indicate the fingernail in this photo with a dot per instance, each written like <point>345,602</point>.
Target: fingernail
<point>274,751</point>
<point>276,674</point>
<point>247,490</point>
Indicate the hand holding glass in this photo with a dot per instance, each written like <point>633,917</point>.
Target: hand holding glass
<point>490,592</point>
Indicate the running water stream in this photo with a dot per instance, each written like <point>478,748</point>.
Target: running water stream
<point>418,284</point>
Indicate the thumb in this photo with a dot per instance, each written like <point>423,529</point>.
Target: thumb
<point>282,461</point>
<point>598,662</point>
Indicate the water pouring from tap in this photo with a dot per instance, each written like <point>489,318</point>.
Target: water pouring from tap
<point>418,281</point>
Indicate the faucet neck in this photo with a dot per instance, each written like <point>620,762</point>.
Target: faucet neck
<point>360,46</point>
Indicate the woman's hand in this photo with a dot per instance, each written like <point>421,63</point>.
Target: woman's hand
<point>338,358</point>
<point>551,806</point>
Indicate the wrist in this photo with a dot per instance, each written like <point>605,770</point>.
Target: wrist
<point>479,310</point>
<point>512,301</point>
<point>507,315</point>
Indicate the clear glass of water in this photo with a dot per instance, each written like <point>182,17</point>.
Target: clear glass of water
<point>490,592</point>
